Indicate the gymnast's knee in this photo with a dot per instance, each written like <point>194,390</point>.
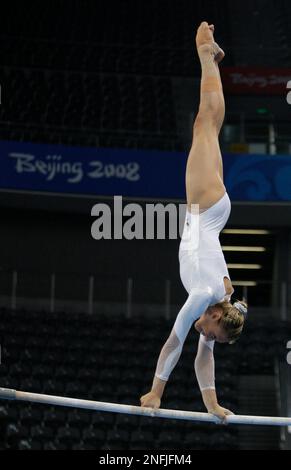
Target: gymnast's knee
<point>205,121</point>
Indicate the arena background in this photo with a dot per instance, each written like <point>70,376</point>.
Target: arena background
<point>118,84</point>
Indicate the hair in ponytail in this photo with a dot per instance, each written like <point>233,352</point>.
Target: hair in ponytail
<point>233,318</point>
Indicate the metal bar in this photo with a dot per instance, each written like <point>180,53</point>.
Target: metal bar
<point>10,394</point>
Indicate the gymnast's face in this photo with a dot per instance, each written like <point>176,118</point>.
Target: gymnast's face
<point>208,325</point>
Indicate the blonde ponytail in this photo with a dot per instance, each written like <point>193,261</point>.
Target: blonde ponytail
<point>233,318</point>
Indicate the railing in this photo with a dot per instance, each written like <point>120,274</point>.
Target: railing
<point>131,296</point>
<point>241,128</point>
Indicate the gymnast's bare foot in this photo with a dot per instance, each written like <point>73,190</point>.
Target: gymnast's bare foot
<point>205,40</point>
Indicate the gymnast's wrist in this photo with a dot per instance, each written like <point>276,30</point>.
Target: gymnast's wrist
<point>158,386</point>
<point>209,398</point>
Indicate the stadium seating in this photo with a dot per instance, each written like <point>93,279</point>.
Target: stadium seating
<point>32,426</point>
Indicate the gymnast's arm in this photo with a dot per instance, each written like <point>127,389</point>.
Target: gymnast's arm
<point>205,373</point>
<point>198,301</point>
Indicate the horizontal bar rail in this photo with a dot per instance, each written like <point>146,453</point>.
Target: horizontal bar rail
<point>10,394</point>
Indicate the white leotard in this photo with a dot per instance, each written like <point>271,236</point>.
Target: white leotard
<point>201,258</point>
<point>202,271</point>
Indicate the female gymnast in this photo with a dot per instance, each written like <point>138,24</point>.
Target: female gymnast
<point>203,270</point>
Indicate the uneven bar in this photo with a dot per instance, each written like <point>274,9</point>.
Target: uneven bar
<point>10,394</point>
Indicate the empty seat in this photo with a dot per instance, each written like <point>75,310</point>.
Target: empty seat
<point>8,415</point>
<point>54,417</point>
<point>29,444</point>
<point>223,441</point>
<point>76,389</point>
<point>10,382</point>
<point>118,438</point>
<point>110,375</point>
<point>55,445</point>
<point>83,446</point>
<point>30,385</point>
<point>114,446</point>
<point>127,422</point>
<point>41,371</point>
<point>65,373</point>
<point>169,440</point>
<point>142,439</point>
<point>149,424</point>
<point>88,375</point>
<point>53,387</point>
<point>30,416</point>
<point>79,418</point>
<point>196,440</point>
<point>68,436</point>
<point>14,433</point>
<point>42,433</point>
<point>103,421</point>
<point>102,392</point>
<point>126,390</point>
<point>93,436</point>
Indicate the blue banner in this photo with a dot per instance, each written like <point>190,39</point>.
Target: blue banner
<point>135,173</point>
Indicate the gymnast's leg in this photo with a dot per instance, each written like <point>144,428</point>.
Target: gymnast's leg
<point>204,177</point>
